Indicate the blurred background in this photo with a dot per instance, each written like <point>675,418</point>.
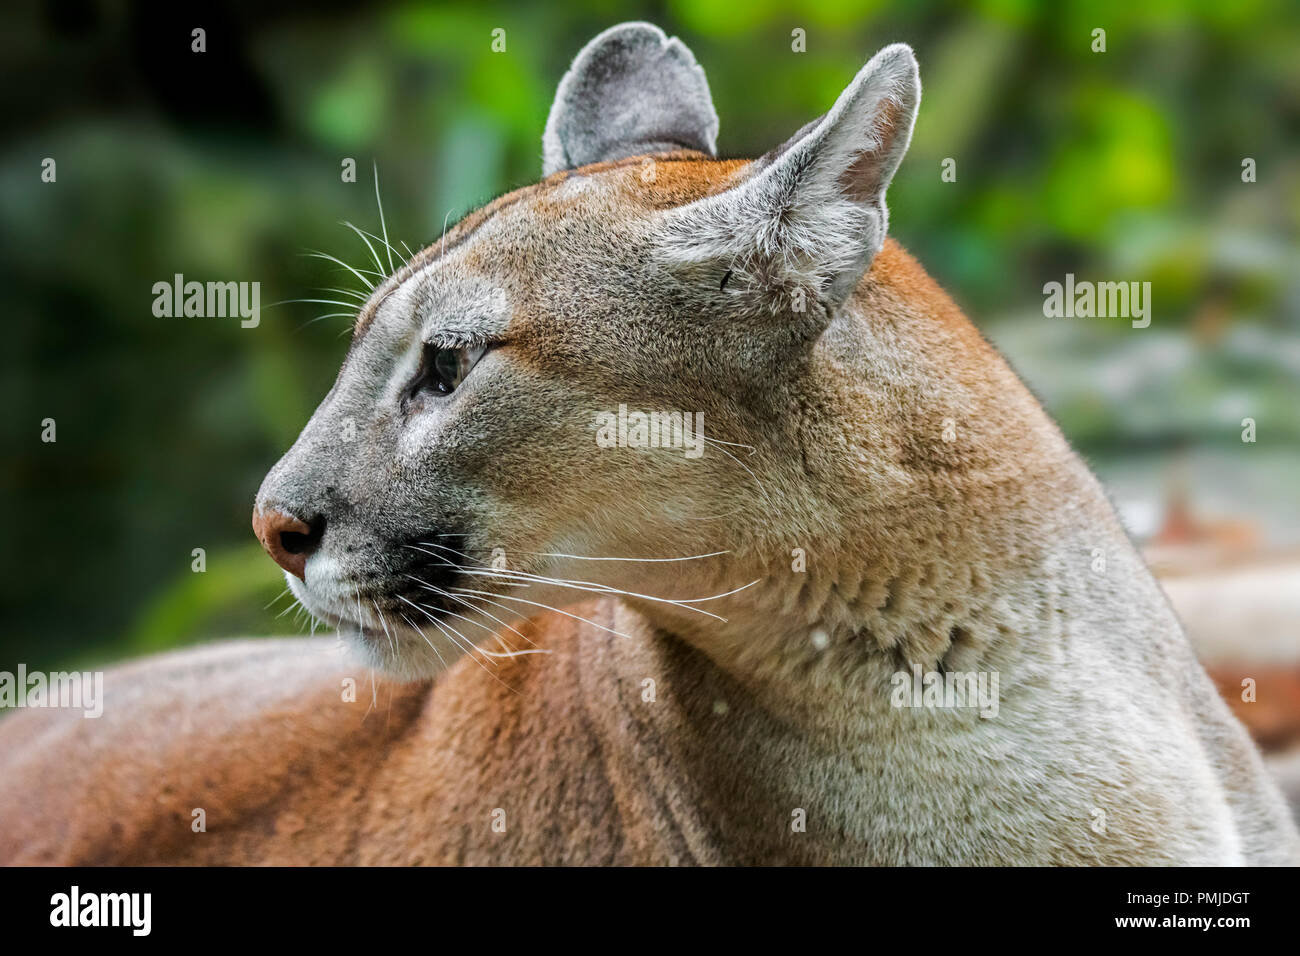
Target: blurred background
<point>225,165</point>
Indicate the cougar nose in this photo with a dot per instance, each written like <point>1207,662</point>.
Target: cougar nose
<point>287,540</point>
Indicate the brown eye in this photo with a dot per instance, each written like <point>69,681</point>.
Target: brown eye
<point>445,368</point>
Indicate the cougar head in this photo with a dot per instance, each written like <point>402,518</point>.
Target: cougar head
<point>616,363</point>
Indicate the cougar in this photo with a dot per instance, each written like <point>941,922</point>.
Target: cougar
<point>881,614</point>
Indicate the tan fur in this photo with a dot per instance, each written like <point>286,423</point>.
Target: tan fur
<point>734,707</point>
<point>585,769</point>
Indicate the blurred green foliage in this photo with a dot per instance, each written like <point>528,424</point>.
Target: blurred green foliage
<point>225,165</point>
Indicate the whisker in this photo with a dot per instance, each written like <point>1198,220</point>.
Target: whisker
<point>391,643</point>
<point>276,599</point>
<point>458,640</point>
<point>328,315</point>
<point>487,600</point>
<point>580,557</point>
<point>455,615</point>
<point>346,305</point>
<point>355,293</point>
<point>361,619</point>
<point>438,590</point>
<point>733,444</point>
<point>457,567</point>
<point>514,653</point>
<point>356,272</point>
<point>383,225</point>
<point>576,617</point>
<point>472,653</point>
<point>420,631</point>
<point>373,254</point>
<point>714,597</point>
<point>591,586</point>
<point>442,240</point>
<point>762,489</point>
<point>387,245</point>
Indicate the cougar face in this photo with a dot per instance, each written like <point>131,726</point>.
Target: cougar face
<point>482,454</point>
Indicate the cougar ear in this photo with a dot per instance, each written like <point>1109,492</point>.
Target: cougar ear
<point>811,214</point>
<point>631,90</point>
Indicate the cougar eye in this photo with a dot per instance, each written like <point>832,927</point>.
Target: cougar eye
<point>445,368</point>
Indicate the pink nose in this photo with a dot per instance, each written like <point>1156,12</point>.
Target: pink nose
<point>287,540</point>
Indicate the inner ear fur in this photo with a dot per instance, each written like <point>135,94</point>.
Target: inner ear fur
<point>811,215</point>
